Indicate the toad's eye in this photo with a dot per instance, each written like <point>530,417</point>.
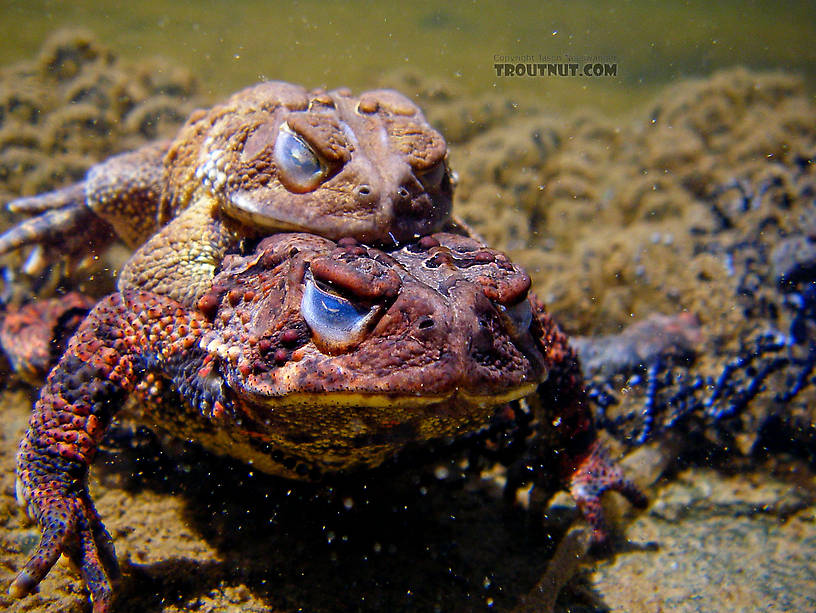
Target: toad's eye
<point>337,323</point>
<point>437,179</point>
<point>518,317</point>
<point>300,168</point>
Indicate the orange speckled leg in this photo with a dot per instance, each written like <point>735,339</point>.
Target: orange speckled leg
<point>124,337</point>
<point>584,465</point>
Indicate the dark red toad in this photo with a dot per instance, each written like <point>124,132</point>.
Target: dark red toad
<point>312,359</point>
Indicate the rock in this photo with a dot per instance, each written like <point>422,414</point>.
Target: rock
<point>723,543</point>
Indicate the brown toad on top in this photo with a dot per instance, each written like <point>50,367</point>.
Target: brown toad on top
<point>311,358</point>
<point>273,157</point>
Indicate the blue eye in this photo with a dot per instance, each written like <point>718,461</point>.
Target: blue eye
<point>336,323</point>
<point>299,167</point>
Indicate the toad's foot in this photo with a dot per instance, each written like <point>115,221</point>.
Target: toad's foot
<point>64,228</point>
<point>594,474</point>
<point>71,526</point>
<point>118,198</point>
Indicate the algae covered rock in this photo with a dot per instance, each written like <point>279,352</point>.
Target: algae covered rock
<point>78,103</point>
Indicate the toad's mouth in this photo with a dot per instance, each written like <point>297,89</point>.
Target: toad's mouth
<point>340,420</point>
<point>374,222</point>
<point>348,431</point>
<point>457,397</point>
<point>258,213</point>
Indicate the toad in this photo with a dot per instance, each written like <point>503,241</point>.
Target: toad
<point>313,359</point>
<point>273,157</point>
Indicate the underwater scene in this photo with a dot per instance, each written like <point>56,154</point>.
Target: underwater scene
<point>366,307</point>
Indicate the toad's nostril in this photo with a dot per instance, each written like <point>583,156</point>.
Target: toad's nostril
<point>403,193</point>
<point>363,190</point>
<point>425,323</point>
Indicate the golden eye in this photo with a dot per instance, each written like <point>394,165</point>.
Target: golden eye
<point>300,170</point>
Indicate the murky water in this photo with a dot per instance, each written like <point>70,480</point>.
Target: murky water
<point>231,44</point>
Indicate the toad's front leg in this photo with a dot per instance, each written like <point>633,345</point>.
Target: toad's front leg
<point>570,445</point>
<point>125,336</point>
<point>180,260</point>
